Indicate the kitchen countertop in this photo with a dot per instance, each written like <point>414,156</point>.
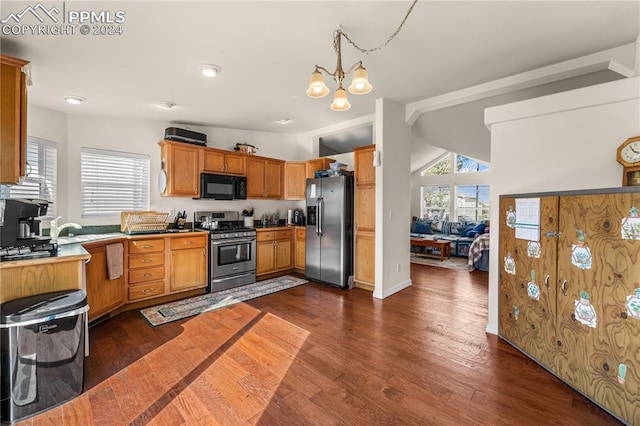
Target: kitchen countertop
<point>282,226</point>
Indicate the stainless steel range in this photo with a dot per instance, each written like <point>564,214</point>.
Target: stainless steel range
<point>232,261</point>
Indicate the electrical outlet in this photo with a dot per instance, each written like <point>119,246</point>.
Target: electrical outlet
<point>397,267</point>
<point>172,212</point>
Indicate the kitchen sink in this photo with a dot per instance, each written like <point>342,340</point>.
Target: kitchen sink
<point>79,239</point>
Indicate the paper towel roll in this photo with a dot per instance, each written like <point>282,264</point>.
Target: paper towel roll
<point>289,216</point>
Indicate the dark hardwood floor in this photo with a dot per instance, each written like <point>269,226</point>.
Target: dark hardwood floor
<point>315,355</point>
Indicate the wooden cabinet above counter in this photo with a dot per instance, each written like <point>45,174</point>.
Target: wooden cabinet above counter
<point>267,178</point>
<point>13,119</point>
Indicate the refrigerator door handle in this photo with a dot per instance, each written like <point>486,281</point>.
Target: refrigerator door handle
<point>320,218</point>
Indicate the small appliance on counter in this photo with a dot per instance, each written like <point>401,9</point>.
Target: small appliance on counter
<point>19,229</point>
<point>298,217</point>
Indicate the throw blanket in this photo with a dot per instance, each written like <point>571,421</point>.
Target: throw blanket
<point>479,245</point>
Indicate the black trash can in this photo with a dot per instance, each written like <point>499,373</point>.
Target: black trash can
<point>41,352</point>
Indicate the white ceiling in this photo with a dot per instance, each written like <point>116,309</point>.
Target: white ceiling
<point>268,49</point>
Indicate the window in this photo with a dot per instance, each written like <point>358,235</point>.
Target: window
<point>440,167</point>
<point>436,200</point>
<point>113,182</point>
<point>472,203</point>
<point>469,165</point>
<point>40,181</point>
<point>449,196</point>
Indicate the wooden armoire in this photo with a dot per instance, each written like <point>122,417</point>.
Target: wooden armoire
<point>571,300</point>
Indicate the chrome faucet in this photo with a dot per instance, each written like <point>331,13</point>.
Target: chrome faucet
<point>54,228</point>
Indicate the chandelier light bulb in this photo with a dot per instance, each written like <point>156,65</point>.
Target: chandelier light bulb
<point>360,84</point>
<point>340,100</point>
<point>317,88</point>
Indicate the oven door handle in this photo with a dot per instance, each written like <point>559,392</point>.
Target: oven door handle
<point>227,242</point>
<point>219,280</point>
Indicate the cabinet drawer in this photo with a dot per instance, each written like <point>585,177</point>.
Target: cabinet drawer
<point>187,243</point>
<point>146,274</point>
<point>146,260</point>
<point>301,234</point>
<point>146,290</point>
<point>146,246</point>
<point>265,236</point>
<point>283,234</point>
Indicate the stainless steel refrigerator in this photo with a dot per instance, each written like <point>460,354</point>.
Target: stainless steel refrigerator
<point>329,242</point>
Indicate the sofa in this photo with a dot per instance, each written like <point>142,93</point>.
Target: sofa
<point>460,234</point>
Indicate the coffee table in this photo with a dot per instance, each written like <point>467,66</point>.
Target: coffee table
<point>443,246</point>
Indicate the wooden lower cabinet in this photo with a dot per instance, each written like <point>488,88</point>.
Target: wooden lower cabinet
<point>364,264</point>
<point>188,263</point>
<point>301,243</point>
<point>146,268</point>
<point>103,295</point>
<point>30,277</point>
<point>572,302</point>
<point>274,251</point>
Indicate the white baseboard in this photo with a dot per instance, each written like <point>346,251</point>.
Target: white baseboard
<point>381,295</point>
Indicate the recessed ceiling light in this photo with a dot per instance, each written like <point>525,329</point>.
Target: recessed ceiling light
<point>210,70</point>
<point>75,100</point>
<point>283,121</point>
<point>166,104</point>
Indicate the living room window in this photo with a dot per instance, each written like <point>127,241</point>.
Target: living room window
<point>113,182</point>
<point>436,202</point>
<point>40,181</point>
<point>472,203</point>
<point>454,189</point>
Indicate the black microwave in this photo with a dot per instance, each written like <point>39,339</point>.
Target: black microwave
<point>223,187</point>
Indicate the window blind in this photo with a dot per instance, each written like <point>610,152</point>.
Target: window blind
<point>40,180</point>
<point>113,182</point>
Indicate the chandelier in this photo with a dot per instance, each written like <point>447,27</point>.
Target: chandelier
<point>360,83</point>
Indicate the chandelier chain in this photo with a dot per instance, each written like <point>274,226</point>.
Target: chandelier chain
<point>382,46</point>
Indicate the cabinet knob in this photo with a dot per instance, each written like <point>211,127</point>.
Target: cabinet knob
<point>146,260</point>
<point>188,242</point>
<point>563,287</point>
<point>147,246</point>
<point>146,275</point>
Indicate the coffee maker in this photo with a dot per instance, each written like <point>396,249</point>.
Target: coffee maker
<point>298,217</point>
<point>19,226</point>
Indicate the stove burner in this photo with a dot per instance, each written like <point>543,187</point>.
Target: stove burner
<point>33,251</point>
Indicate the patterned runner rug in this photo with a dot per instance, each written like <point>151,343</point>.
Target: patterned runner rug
<point>173,311</point>
<point>454,262</point>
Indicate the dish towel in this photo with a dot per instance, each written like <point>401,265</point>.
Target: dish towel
<point>114,260</point>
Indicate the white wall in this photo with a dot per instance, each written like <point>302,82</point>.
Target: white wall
<point>393,140</point>
<point>73,132</point>
<point>558,142</point>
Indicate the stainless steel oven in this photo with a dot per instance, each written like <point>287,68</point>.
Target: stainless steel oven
<point>232,261</point>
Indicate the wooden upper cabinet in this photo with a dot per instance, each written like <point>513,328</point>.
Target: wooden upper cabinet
<point>218,161</point>
<point>13,119</point>
<point>182,166</point>
<point>365,173</point>
<point>264,177</point>
<point>295,179</point>
<point>318,164</point>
